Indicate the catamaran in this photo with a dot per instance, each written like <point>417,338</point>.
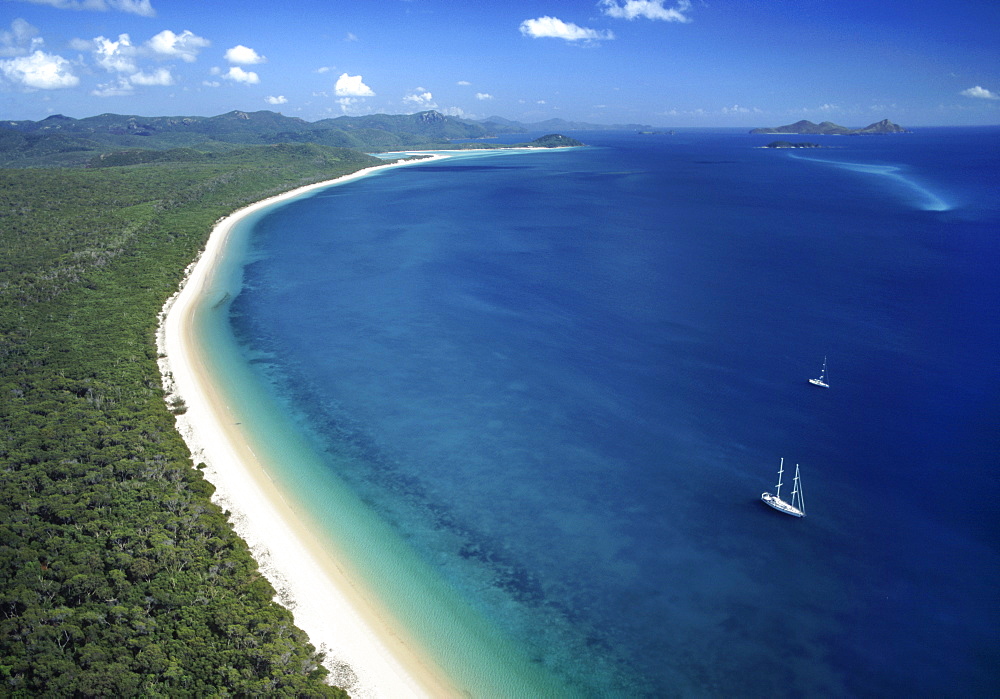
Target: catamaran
<point>797,507</point>
<point>821,381</point>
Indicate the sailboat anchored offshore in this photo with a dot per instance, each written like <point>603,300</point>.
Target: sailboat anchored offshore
<point>821,381</point>
<point>797,507</point>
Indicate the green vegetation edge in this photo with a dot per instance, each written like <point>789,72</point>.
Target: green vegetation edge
<point>118,576</point>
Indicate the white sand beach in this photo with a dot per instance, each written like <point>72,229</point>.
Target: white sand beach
<point>365,653</point>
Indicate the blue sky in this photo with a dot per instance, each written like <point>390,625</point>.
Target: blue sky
<point>660,62</point>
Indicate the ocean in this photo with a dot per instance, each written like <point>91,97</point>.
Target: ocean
<point>559,381</point>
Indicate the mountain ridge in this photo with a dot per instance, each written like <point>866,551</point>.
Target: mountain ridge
<point>64,140</point>
<point>828,128</point>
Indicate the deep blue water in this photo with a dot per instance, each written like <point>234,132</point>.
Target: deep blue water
<point>566,377</point>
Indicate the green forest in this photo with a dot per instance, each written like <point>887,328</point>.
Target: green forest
<point>59,140</point>
<point>119,575</point>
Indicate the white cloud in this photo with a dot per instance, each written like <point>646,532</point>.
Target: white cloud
<point>126,85</point>
<point>734,110</point>
<point>648,9</point>
<point>237,74</point>
<point>244,56</point>
<point>981,93</point>
<point>39,71</point>
<point>143,8</point>
<point>185,45</point>
<point>463,82</point>
<point>454,111</point>
<point>211,83</point>
<point>421,98</point>
<point>551,27</point>
<point>21,40</point>
<point>699,112</point>
<point>352,86</point>
<point>115,56</point>
<point>740,109</point>
<point>483,96</point>
<point>160,77</point>
<point>350,37</point>
<point>115,89</point>
<point>280,99</point>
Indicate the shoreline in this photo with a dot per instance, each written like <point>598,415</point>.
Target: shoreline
<point>365,654</point>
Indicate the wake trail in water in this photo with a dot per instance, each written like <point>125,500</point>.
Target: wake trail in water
<point>929,200</point>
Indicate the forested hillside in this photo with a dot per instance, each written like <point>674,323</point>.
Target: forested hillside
<point>118,576</point>
<point>60,141</point>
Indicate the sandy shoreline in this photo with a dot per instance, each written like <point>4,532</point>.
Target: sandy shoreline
<point>364,653</point>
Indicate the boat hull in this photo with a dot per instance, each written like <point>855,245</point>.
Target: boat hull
<point>818,382</point>
<point>780,505</point>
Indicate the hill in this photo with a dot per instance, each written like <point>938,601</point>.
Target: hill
<point>555,140</point>
<point>59,140</point>
<point>828,128</point>
<point>62,140</point>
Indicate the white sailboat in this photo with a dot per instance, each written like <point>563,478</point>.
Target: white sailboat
<point>821,381</point>
<point>797,507</point>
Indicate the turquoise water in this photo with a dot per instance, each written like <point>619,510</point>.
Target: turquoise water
<point>548,389</point>
<point>367,548</point>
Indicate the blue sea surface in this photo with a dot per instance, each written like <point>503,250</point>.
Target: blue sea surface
<point>564,378</point>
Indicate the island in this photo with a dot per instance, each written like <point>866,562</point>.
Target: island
<point>788,144</point>
<point>828,128</point>
<point>555,140</point>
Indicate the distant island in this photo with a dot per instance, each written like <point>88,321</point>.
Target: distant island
<point>828,128</point>
<point>555,140</point>
<point>788,144</point>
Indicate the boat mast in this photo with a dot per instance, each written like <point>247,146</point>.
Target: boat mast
<point>802,496</point>
<point>822,374</point>
<point>797,492</point>
<point>781,469</point>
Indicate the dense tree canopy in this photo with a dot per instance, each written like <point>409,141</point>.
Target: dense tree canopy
<point>118,576</point>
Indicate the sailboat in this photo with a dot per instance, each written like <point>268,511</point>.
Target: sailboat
<point>821,381</point>
<point>797,507</point>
